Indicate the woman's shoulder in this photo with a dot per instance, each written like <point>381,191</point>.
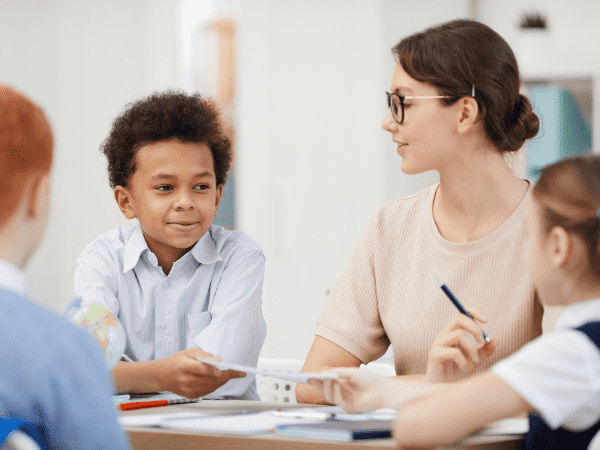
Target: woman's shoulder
<point>405,209</point>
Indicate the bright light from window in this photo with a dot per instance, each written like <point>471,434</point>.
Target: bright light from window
<point>191,13</point>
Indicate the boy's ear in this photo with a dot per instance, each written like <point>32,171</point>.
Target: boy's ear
<point>560,246</point>
<point>218,199</point>
<point>38,195</point>
<point>469,110</point>
<point>125,202</point>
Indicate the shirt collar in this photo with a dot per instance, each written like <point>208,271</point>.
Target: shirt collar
<point>12,278</point>
<point>135,246</point>
<point>205,251</point>
<point>580,313</point>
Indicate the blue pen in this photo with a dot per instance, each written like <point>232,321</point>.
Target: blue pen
<point>460,307</point>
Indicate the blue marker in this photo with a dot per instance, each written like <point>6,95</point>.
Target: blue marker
<point>460,307</point>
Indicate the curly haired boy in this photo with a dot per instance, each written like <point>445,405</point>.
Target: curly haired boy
<point>182,286</point>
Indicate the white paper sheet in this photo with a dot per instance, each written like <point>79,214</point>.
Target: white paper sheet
<point>288,376</point>
<point>507,427</point>
<point>242,424</point>
<point>155,420</point>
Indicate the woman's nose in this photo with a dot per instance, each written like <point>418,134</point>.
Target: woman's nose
<point>389,124</point>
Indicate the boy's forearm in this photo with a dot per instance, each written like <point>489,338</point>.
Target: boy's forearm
<point>138,377</point>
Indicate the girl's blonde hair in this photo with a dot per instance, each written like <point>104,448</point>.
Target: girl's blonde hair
<point>569,194</point>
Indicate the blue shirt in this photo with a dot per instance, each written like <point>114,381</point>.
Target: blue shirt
<point>52,374</point>
<point>211,298</point>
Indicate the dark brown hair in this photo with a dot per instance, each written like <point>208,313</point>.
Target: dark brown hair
<point>462,54</point>
<point>26,147</point>
<point>164,116</point>
<point>569,194</point>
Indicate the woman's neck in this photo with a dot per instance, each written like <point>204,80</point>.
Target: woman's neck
<point>476,195</point>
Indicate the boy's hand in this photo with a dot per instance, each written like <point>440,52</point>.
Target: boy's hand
<point>184,375</point>
<point>458,349</point>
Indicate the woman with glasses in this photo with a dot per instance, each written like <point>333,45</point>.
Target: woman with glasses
<point>454,107</point>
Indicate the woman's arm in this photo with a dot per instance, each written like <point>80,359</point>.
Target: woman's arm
<point>323,355</point>
<point>456,411</point>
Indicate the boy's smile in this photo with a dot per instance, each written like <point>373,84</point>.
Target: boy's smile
<point>173,194</point>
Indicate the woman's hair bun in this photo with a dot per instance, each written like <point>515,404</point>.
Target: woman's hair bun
<point>522,124</point>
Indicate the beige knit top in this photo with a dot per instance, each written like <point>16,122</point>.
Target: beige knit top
<point>388,294</point>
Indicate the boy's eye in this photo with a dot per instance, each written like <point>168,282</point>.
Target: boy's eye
<point>201,187</point>
<point>164,187</point>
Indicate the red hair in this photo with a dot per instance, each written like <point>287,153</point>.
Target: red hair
<point>26,145</point>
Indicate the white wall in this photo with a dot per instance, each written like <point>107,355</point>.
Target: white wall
<point>82,61</point>
<point>309,149</point>
<point>313,160</point>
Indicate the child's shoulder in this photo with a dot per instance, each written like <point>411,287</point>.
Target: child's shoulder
<point>114,239</point>
<point>233,243</point>
<point>27,327</point>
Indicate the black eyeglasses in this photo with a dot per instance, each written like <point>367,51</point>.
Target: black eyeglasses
<point>396,103</point>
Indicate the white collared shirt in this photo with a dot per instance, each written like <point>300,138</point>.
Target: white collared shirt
<point>211,299</point>
<point>12,278</point>
<point>558,373</point>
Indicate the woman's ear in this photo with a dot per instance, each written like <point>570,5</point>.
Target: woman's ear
<point>124,199</point>
<point>468,112</point>
<point>560,246</point>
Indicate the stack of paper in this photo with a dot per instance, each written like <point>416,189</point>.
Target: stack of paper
<point>241,424</point>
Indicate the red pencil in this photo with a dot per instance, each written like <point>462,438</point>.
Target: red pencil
<point>139,405</point>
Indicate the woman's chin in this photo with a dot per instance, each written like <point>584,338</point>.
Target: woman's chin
<point>410,169</point>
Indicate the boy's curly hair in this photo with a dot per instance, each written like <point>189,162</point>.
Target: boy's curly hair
<point>165,116</point>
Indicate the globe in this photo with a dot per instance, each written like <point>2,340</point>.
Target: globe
<point>105,328</point>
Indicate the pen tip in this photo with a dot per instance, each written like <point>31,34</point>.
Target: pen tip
<point>440,282</point>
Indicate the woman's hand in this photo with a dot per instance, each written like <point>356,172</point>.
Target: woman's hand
<point>458,349</point>
<point>356,390</point>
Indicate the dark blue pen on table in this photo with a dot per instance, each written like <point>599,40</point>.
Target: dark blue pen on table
<point>460,307</point>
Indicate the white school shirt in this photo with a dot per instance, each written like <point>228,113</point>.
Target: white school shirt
<point>558,373</point>
<point>12,278</point>
<point>211,299</point>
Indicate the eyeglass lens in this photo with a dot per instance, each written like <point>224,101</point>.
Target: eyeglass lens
<point>396,104</point>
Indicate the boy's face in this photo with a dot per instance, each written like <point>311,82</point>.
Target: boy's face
<point>173,194</point>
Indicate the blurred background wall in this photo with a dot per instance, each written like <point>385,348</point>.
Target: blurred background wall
<point>312,162</point>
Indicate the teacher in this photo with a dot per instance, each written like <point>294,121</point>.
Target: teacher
<point>454,107</point>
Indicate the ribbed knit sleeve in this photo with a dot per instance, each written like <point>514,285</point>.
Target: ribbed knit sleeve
<point>351,315</point>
